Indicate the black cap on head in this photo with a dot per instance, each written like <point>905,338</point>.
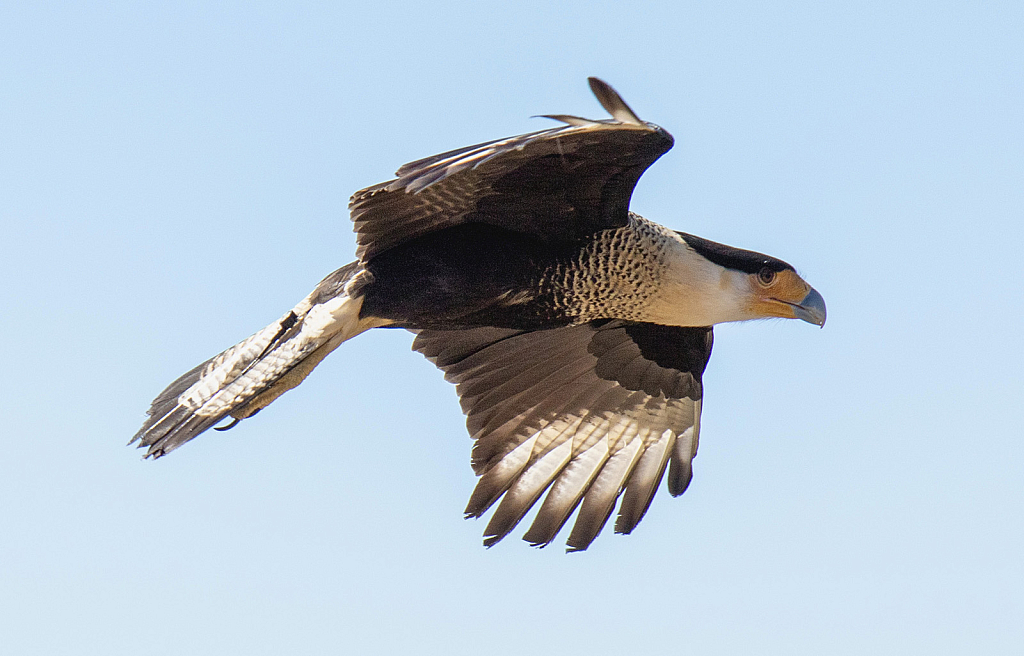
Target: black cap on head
<point>734,258</point>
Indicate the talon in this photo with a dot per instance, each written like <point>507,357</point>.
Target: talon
<point>229,426</point>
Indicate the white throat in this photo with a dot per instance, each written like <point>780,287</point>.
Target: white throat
<point>694,291</point>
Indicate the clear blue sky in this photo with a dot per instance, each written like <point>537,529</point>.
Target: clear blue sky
<point>173,176</point>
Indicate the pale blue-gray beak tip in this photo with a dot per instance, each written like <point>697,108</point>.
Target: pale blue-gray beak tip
<point>811,309</point>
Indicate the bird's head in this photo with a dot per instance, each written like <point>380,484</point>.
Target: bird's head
<point>739,285</point>
<point>780,292</point>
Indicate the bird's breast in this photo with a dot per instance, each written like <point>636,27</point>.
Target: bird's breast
<point>615,275</point>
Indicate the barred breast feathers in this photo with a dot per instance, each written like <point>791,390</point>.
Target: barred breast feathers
<point>614,275</point>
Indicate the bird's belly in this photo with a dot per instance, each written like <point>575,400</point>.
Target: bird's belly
<point>469,275</point>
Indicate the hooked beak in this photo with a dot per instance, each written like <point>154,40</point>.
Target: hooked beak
<point>811,309</point>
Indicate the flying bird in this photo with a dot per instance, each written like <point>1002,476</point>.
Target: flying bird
<point>576,331</point>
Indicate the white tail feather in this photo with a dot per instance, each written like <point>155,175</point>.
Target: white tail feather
<point>248,376</point>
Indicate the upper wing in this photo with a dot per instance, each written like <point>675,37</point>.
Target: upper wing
<point>558,184</point>
<point>592,412</point>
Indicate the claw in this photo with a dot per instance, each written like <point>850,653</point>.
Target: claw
<point>229,426</point>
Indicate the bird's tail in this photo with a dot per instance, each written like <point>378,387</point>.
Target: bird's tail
<point>248,376</point>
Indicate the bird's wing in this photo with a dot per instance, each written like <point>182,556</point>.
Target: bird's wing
<point>558,184</point>
<point>589,412</point>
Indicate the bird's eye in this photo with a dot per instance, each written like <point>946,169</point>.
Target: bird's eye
<point>766,276</point>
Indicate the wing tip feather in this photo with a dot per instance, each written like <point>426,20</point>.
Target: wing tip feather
<point>613,102</point>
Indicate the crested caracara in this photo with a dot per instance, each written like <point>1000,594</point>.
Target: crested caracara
<point>576,332</point>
